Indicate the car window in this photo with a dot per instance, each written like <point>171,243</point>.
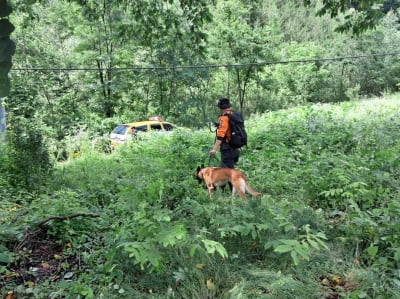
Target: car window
<point>156,127</point>
<point>168,127</point>
<point>120,130</point>
<point>141,128</point>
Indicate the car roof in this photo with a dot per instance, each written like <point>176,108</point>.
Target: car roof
<point>146,122</point>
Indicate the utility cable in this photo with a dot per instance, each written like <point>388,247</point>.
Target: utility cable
<point>181,67</point>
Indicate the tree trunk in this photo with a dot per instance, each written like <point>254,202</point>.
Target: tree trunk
<point>2,122</point>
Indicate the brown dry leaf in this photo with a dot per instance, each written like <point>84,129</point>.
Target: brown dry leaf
<point>325,281</point>
<point>45,265</point>
<point>199,266</point>
<point>336,279</point>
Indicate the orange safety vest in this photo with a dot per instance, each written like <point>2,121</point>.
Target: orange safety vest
<point>224,130</point>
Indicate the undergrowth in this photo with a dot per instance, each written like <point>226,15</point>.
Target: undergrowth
<point>135,223</point>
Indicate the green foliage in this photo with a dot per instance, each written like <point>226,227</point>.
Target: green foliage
<point>303,83</point>
<point>243,39</point>
<point>358,17</point>
<point>27,160</point>
<point>326,224</point>
<point>120,43</point>
<point>301,250</point>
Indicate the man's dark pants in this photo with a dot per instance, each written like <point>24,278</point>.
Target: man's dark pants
<point>229,157</point>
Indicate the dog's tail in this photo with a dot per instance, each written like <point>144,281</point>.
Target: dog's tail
<point>244,186</point>
<point>251,191</point>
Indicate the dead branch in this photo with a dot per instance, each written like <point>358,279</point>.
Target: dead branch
<point>27,235</point>
<point>42,226</point>
<point>18,216</point>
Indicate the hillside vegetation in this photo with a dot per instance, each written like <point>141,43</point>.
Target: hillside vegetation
<point>135,223</point>
<point>92,64</point>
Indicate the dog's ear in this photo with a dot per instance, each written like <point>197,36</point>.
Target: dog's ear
<point>198,168</point>
<point>202,166</point>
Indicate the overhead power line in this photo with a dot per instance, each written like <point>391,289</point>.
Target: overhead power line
<point>178,67</point>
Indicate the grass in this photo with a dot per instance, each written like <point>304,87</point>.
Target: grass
<point>325,227</point>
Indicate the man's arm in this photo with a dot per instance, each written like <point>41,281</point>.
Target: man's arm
<point>221,133</point>
<point>215,147</point>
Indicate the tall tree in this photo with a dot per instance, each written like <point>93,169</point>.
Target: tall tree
<point>7,47</point>
<point>358,16</point>
<point>171,35</point>
<point>240,37</point>
<point>99,36</point>
<point>3,125</point>
<point>112,24</point>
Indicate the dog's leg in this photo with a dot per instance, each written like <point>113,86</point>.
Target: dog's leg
<point>241,188</point>
<point>241,194</point>
<point>211,189</point>
<point>239,191</point>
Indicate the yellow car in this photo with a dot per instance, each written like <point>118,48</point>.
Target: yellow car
<point>124,132</point>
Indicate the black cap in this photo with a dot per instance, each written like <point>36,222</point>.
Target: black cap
<point>223,103</point>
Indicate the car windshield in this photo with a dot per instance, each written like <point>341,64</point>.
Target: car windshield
<point>120,130</point>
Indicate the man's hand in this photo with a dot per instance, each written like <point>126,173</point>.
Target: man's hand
<point>215,147</point>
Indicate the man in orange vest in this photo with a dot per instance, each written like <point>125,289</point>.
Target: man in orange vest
<point>229,155</point>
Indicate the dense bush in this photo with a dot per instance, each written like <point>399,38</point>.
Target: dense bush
<point>26,162</point>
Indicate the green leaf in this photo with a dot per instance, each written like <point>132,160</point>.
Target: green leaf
<point>290,242</point>
<point>193,249</point>
<point>303,251</point>
<point>358,294</point>
<point>295,257</point>
<point>268,245</point>
<point>4,257</point>
<point>396,254</point>
<point>213,246</point>
<point>168,237</point>
<point>372,250</point>
<point>313,243</point>
<point>283,248</point>
<point>321,235</point>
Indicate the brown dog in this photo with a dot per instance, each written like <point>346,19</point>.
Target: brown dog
<point>219,176</point>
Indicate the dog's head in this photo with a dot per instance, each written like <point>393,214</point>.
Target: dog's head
<point>199,174</point>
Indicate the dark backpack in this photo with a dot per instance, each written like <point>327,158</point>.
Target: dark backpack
<point>239,134</point>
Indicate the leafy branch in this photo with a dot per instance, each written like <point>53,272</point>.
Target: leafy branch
<point>42,224</point>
